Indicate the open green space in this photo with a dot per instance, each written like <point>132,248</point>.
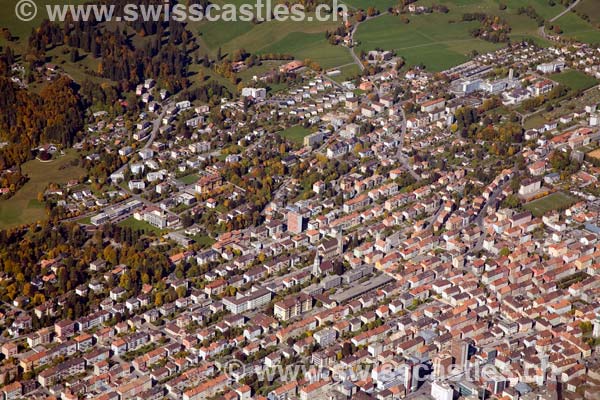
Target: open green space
<point>575,80</point>
<point>442,40</point>
<point>203,240</point>
<point>347,72</point>
<point>295,133</point>
<point>429,39</point>
<point>23,207</point>
<point>554,201</point>
<point>591,9</point>
<point>141,226</point>
<point>381,5</point>
<point>301,39</point>
<point>189,179</point>
<point>21,29</point>
<point>576,28</point>
<point>260,69</point>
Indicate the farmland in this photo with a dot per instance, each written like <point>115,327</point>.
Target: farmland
<point>442,40</point>
<point>303,40</point>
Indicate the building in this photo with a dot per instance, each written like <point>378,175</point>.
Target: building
<point>433,105</point>
<point>554,66</point>
<point>255,93</point>
<point>314,139</point>
<point>441,391</point>
<point>460,352</point>
<point>292,306</point>
<point>250,301</point>
<point>207,388</point>
<point>207,184</point>
<point>442,363</point>
<point>295,222</point>
<point>530,186</point>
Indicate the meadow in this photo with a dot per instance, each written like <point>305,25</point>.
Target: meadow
<point>304,39</point>
<point>575,80</point>
<point>589,8</point>
<point>575,27</point>
<point>23,207</point>
<point>440,41</point>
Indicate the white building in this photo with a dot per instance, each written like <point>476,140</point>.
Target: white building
<point>255,93</point>
<point>441,391</point>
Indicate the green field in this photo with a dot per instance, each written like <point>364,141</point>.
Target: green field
<point>203,240</point>
<point>381,5</point>
<point>575,80</point>
<point>590,8</point>
<point>295,133</point>
<point>442,40</point>
<point>189,179</point>
<point>140,225</point>
<point>428,39</point>
<point>23,207</point>
<point>22,29</point>
<point>303,40</point>
<point>554,201</point>
<point>347,72</point>
<point>578,29</point>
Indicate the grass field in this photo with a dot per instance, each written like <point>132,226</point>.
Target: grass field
<point>347,72</point>
<point>575,27</point>
<point>22,29</point>
<point>381,5</point>
<point>140,225</point>
<point>295,133</point>
<point>442,40</point>
<point>203,240</point>
<point>189,179</point>
<point>258,70</point>
<point>23,207</point>
<point>590,8</point>
<point>428,39</point>
<point>303,40</point>
<point>554,201</point>
<point>575,80</point>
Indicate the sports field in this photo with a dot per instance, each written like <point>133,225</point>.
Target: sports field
<point>141,226</point>
<point>295,133</point>
<point>554,201</point>
<point>23,207</point>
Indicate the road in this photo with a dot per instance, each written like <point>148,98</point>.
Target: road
<point>153,135</point>
<point>357,60</point>
<point>399,154</point>
<point>479,219</point>
<point>155,129</point>
<point>542,29</point>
